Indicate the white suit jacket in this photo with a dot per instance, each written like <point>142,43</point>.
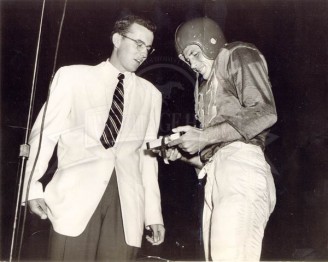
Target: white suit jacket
<point>78,108</point>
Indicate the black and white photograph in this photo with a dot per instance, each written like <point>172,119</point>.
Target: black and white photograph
<point>161,130</point>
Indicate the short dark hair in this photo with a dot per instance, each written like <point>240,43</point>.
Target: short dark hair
<point>123,24</point>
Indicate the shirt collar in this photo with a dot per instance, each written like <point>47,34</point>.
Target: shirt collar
<point>115,71</point>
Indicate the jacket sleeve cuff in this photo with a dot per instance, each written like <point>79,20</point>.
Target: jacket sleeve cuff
<point>36,191</point>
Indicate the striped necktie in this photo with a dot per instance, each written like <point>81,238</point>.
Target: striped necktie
<point>115,116</point>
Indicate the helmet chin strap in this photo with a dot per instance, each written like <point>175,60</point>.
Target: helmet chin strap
<point>196,91</point>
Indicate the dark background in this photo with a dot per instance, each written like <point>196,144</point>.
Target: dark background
<point>293,36</point>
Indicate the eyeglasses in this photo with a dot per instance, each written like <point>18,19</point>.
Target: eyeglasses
<point>141,45</point>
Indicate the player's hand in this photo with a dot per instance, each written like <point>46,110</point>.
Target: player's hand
<point>171,153</point>
<point>38,207</point>
<point>192,141</point>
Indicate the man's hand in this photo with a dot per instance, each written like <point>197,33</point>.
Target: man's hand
<point>38,207</point>
<point>192,141</point>
<point>158,234</point>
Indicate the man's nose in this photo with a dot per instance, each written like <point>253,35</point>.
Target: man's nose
<point>193,64</point>
<point>144,52</point>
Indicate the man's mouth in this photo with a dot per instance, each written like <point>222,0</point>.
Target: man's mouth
<point>200,70</point>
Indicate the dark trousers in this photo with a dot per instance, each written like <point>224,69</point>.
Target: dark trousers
<point>102,240</point>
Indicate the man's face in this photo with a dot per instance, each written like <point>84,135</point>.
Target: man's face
<point>193,56</point>
<point>132,50</point>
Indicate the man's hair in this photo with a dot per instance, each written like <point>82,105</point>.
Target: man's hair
<point>123,24</point>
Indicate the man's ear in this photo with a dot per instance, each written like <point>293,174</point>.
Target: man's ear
<point>116,38</point>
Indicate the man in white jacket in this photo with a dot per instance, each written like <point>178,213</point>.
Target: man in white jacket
<point>101,196</point>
